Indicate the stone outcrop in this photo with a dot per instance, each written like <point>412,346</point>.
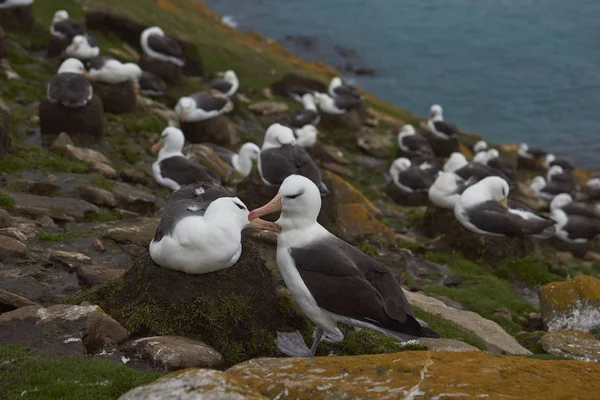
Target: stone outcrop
<point>419,375</point>
<point>574,304</point>
<point>139,231</point>
<point>83,123</point>
<point>577,345</point>
<point>206,156</point>
<point>5,141</point>
<point>116,98</point>
<point>57,208</point>
<point>215,130</point>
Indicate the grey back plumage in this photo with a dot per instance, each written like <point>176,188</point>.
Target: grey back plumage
<point>185,172</point>
<point>70,90</point>
<point>209,102</point>
<point>279,163</point>
<point>165,45</point>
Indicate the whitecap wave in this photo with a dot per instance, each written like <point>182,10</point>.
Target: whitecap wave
<point>229,21</point>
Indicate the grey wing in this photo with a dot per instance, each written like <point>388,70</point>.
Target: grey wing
<point>98,62</point>
<point>208,102</point>
<point>417,143</point>
<point>304,164</point>
<point>152,83</point>
<point>185,172</point>
<point>579,227</point>
<point>347,102</point>
<point>71,90</point>
<point>175,211</point>
<point>200,192</point>
<point>301,118</point>
<point>221,85</point>
<point>348,91</point>
<point>445,128</point>
<point>276,166</point>
<point>91,41</point>
<point>69,28</point>
<point>416,179</point>
<point>576,209</point>
<point>165,45</point>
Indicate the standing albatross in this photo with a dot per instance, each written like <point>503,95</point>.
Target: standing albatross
<point>157,45</point>
<point>330,280</point>
<point>172,169</point>
<point>438,126</point>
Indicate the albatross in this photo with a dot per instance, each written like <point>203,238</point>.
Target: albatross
<point>172,169</point>
<point>331,281</point>
<point>411,178</point>
<point>281,157</point>
<point>574,223</point>
<point>413,144</point>
<point>306,136</point>
<point>227,85</point>
<point>202,106</point>
<point>108,70</point>
<point>531,153</point>
<point>337,88</point>
<point>336,106</point>
<point>482,208</point>
<point>83,47</point>
<point>242,161</point>
<point>65,28</point>
<point>480,146</point>
<point>201,234</point>
<point>438,126</point>
<point>70,87</point>
<point>5,4</point>
<point>309,115</point>
<point>447,188</point>
<point>157,45</point>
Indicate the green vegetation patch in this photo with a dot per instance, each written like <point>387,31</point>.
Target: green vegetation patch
<point>46,236</point>
<point>532,270</point>
<point>29,374</point>
<point>36,158</point>
<point>103,182</point>
<point>104,216</point>
<point>7,201</point>
<point>448,330</point>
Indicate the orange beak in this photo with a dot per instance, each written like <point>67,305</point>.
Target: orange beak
<point>269,208</point>
<point>182,116</point>
<point>157,146</point>
<point>89,76</point>
<point>504,202</point>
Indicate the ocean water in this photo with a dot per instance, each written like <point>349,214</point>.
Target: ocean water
<point>511,70</point>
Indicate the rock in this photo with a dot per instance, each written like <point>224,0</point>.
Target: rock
<point>206,156</point>
<point>92,275</point>
<point>5,141</point>
<point>439,222</point>
<point>268,107</point>
<point>374,144</point>
<point>169,72</point>
<point>98,161</point>
<point>116,98</point>
<point>97,245</point>
<point>327,153</point>
<point>294,80</point>
<point>338,169</point>
<point>502,313</point>
<point>171,353</point>
<point>236,311</point>
<point>215,130</point>
<point>11,301</point>
<point>534,322</point>
<point>11,248</point>
<point>194,384</point>
<point>68,259</point>
<point>527,197</point>
<point>137,199</point>
<point>494,337</point>
<point>84,123</point>
<point>138,232</point>
<point>61,142</point>
<point>453,280</point>
<point>132,175</point>
<point>58,208</point>
<point>61,329</point>
<point>573,304</point>
<point>19,19</point>
<point>349,125</point>
<point>446,345</point>
<point>6,220</point>
<point>97,196</point>
<point>577,345</point>
<point>267,94</point>
<point>423,272</point>
<point>418,375</point>
<point>40,188</point>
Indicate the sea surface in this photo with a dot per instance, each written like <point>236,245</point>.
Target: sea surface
<point>511,70</point>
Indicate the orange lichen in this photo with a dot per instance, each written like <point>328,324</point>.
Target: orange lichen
<point>166,4</point>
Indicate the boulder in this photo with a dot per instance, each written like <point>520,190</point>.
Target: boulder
<point>376,145</point>
<point>215,130</point>
<point>495,338</point>
<point>5,141</point>
<point>18,19</point>
<point>116,98</point>
<point>577,345</point>
<point>349,123</point>
<point>194,384</point>
<point>236,311</point>
<point>171,353</point>
<point>97,196</point>
<point>11,301</point>
<point>268,107</point>
<point>11,248</point>
<point>167,71</point>
<point>206,156</point>
<point>60,143</point>
<point>573,304</point>
<point>58,208</point>
<point>138,232</point>
<point>419,375</point>
<point>294,80</point>
<point>134,198</point>
<point>84,123</point>
<point>454,237</point>
<point>61,329</point>
<point>92,275</point>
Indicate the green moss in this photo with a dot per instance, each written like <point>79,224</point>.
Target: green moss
<point>46,236</point>
<point>532,270</point>
<point>147,123</point>
<point>368,248</point>
<point>531,341</point>
<point>448,330</point>
<point>7,201</point>
<point>103,182</point>
<point>104,216</point>
<point>367,341</point>
<point>35,158</point>
<point>30,374</point>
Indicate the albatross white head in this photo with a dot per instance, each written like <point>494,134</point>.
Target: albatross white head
<point>335,83</point>
<point>276,136</point>
<point>306,136</point>
<point>456,161</point>
<point>553,171</point>
<point>537,184</point>
<point>298,200</point>
<point>184,106</point>
<point>308,101</point>
<point>492,188</point>
<point>481,157</point>
<point>398,166</point>
<point>230,77</point>
<point>59,16</point>
<point>170,144</point>
<point>480,146</point>
<point>407,130</point>
<point>436,112</point>
<point>81,48</point>
<point>73,66</point>
<point>523,150</point>
<point>549,159</point>
<point>560,200</point>
<point>243,161</point>
<point>444,192</point>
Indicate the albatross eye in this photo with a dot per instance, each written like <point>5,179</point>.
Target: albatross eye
<point>241,207</point>
<point>293,196</point>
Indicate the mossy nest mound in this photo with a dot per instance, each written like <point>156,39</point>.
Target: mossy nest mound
<point>237,311</point>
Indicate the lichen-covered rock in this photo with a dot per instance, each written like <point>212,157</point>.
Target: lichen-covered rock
<point>215,130</point>
<point>374,144</point>
<point>573,304</point>
<point>206,156</point>
<point>139,231</point>
<point>495,338</point>
<point>454,237</point>
<point>84,123</point>
<point>171,353</point>
<point>57,208</point>
<point>349,122</point>
<point>116,98</point>
<point>165,70</point>
<point>5,142</point>
<point>577,345</point>
<point>419,374</point>
<point>268,107</point>
<point>236,311</point>
<point>194,384</point>
<point>61,329</point>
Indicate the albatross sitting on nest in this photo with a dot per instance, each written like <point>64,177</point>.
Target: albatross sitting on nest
<point>227,85</point>
<point>482,208</point>
<point>202,106</point>
<point>574,223</point>
<point>309,115</point>
<point>159,46</point>
<point>70,87</point>
<point>337,88</point>
<point>201,234</point>
<point>281,157</point>
<point>172,169</point>
<point>411,178</point>
<point>242,161</point>
<point>83,47</point>
<point>438,126</point>
<point>336,106</point>
<point>331,281</point>
<point>108,70</point>
<point>65,28</point>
